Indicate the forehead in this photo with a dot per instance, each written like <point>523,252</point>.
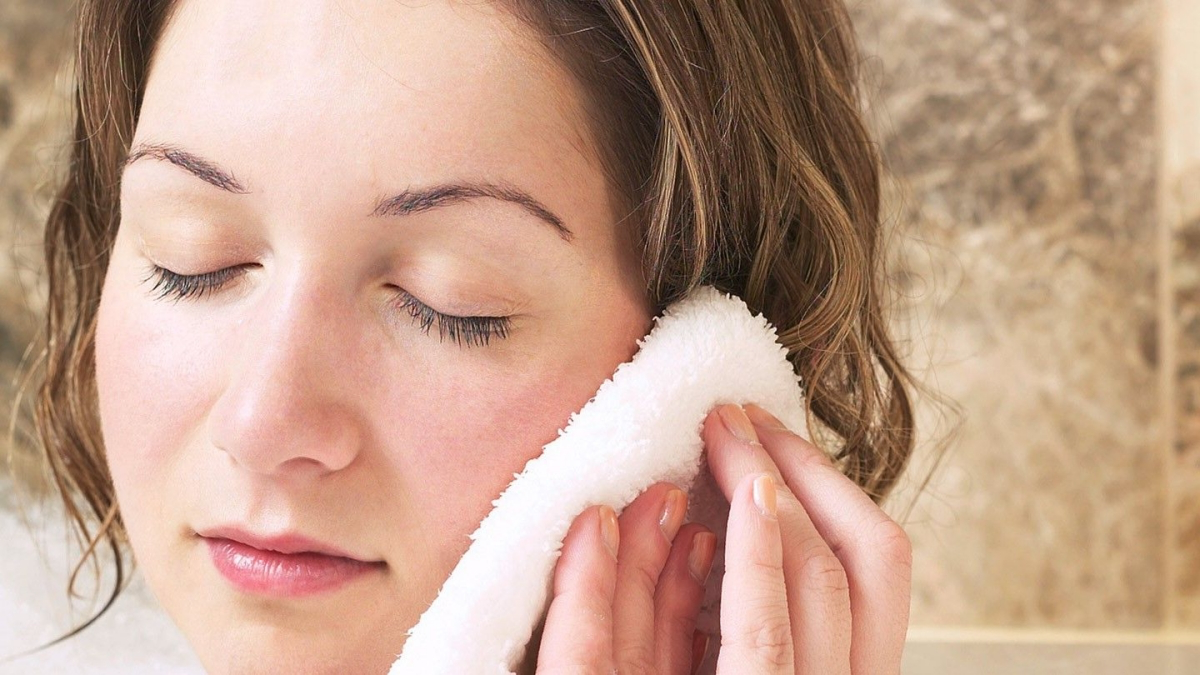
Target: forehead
<point>384,92</point>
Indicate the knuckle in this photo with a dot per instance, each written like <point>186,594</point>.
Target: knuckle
<point>643,577</point>
<point>894,545</point>
<point>590,649</point>
<point>770,640</point>
<point>636,660</point>
<point>824,573</point>
<point>762,566</point>
<point>675,626</point>
<point>773,641</point>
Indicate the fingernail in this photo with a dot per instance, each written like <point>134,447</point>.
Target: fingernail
<point>699,650</point>
<point>674,508</point>
<point>764,419</point>
<point>700,559</point>
<point>764,495</point>
<point>737,423</point>
<point>609,530</point>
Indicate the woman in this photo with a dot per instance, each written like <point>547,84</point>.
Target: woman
<point>272,206</point>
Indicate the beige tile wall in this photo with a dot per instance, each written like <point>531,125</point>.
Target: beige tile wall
<point>1039,290</point>
<point>34,43</point>
<point>1180,198</point>
<point>1022,135</point>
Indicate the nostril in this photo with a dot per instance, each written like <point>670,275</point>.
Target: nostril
<point>302,434</point>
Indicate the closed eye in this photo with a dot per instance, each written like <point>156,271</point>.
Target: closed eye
<point>463,330</point>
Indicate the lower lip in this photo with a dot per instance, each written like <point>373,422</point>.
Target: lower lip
<point>254,570</point>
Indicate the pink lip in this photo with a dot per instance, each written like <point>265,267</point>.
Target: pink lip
<point>286,566</point>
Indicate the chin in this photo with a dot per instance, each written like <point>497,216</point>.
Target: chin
<point>251,649</point>
<point>299,659</point>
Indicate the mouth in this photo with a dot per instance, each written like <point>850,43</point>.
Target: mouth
<point>285,565</point>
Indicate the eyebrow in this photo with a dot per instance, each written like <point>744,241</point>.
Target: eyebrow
<point>411,200</point>
<point>199,167</point>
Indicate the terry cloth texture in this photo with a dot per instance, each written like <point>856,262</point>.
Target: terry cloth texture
<point>643,426</point>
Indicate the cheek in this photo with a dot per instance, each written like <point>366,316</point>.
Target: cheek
<point>443,436</point>
<point>484,431</point>
<point>489,428</point>
<point>150,374</point>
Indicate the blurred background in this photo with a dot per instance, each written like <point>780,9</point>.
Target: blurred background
<point>1044,194</point>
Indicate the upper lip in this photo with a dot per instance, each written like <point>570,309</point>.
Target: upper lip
<point>284,542</point>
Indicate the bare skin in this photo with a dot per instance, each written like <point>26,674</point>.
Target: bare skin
<point>818,578</point>
<point>303,393</point>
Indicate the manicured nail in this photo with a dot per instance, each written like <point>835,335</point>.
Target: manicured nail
<point>674,509</point>
<point>764,419</point>
<point>699,650</point>
<point>764,495</point>
<point>609,530</point>
<point>700,559</point>
<point>737,423</point>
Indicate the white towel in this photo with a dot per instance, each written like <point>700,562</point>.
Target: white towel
<point>642,426</point>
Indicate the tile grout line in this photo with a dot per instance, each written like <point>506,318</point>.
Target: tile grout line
<point>1166,305</point>
<point>1048,636</point>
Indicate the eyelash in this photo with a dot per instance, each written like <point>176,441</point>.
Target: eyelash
<point>464,330</point>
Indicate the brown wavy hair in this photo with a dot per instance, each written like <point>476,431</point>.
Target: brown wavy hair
<point>734,131</point>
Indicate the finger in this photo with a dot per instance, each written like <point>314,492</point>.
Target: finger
<point>699,650</point>
<point>578,633</point>
<point>648,526</point>
<point>756,632</point>
<point>875,550</point>
<point>818,591</point>
<point>677,600</point>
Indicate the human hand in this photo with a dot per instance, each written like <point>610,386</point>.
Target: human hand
<point>818,578</point>
<point>627,590</point>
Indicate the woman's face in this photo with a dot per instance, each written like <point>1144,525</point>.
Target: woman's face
<point>306,147</point>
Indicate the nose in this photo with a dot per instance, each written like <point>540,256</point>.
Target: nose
<point>288,405</point>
